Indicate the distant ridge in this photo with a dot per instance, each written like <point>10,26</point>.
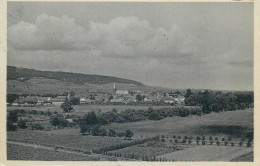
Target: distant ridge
<point>14,73</point>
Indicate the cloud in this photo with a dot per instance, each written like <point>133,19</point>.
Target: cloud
<point>120,37</point>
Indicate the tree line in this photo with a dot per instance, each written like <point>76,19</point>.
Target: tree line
<point>216,101</point>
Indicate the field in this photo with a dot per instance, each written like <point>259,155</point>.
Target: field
<point>207,153</point>
<point>17,152</point>
<point>149,149</point>
<point>75,142</point>
<point>235,124</point>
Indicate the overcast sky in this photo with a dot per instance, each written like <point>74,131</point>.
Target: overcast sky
<point>175,45</point>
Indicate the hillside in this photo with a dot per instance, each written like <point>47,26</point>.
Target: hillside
<point>29,81</point>
<point>14,73</point>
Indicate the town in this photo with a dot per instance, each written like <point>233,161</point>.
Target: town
<point>116,97</point>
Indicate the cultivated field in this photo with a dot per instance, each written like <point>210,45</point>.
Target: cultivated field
<point>74,142</point>
<point>207,153</point>
<point>235,124</point>
<point>18,152</point>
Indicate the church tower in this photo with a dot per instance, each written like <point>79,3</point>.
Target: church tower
<point>114,88</point>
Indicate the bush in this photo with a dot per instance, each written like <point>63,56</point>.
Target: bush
<point>22,124</point>
<point>248,144</point>
<point>240,143</point>
<point>112,133</point>
<point>128,134</point>
<point>218,143</point>
<point>226,143</point>
<point>37,126</point>
<point>198,142</point>
<point>11,127</point>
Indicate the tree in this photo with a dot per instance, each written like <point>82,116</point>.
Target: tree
<point>188,93</point>
<point>11,98</point>
<point>91,118</point>
<point>55,121</point>
<point>75,101</point>
<point>84,128</point>
<point>103,132</point>
<point>72,93</point>
<point>11,127</point>
<point>139,97</point>
<point>112,133</point>
<point>12,117</point>
<point>66,106</point>
<point>22,124</point>
<point>95,130</point>
<point>128,134</point>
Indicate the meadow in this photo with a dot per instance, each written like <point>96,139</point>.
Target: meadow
<point>235,124</point>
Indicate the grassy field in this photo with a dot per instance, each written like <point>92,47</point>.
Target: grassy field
<point>74,142</point>
<point>207,153</point>
<point>17,152</point>
<point>232,123</point>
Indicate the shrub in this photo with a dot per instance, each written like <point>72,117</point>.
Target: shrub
<point>129,134</point>
<point>223,139</point>
<point>112,133</point>
<point>210,142</point>
<point>176,141</point>
<point>226,142</point>
<point>11,127</point>
<point>240,143</point>
<point>218,143</point>
<point>203,142</point>
<point>248,144</point>
<point>198,142</point>
<point>232,144</point>
<point>22,124</point>
<point>37,126</point>
<point>184,141</point>
<point>190,141</point>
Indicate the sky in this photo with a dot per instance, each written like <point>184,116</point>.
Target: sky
<point>173,45</point>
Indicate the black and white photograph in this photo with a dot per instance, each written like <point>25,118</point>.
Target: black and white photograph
<point>130,81</point>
